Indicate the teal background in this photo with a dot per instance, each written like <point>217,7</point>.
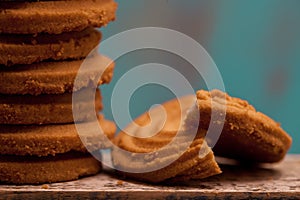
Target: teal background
<point>255,44</point>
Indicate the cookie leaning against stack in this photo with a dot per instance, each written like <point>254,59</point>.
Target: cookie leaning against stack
<point>247,135</point>
<point>42,46</point>
<point>193,157</point>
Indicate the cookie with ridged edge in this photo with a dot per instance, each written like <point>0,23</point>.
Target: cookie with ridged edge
<point>28,49</point>
<point>190,165</point>
<point>48,108</point>
<point>55,77</point>
<point>46,140</point>
<point>194,151</point>
<point>38,170</point>
<point>54,17</point>
<point>247,134</point>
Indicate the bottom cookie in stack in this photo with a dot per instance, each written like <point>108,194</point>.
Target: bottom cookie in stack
<point>36,170</point>
<point>49,153</point>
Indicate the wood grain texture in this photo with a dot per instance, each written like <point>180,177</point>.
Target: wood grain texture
<point>279,181</point>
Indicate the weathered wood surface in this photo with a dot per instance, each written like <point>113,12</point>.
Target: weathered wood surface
<point>279,181</point>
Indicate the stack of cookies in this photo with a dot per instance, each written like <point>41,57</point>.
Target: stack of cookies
<point>42,46</point>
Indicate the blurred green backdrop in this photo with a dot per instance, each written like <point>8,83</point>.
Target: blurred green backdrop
<point>255,44</point>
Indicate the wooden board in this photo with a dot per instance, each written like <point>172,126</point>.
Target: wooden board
<point>277,181</point>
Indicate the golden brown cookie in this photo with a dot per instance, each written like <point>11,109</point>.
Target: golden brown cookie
<point>55,77</point>
<point>28,49</point>
<point>48,108</point>
<point>247,135</point>
<point>53,139</point>
<point>54,17</point>
<point>38,170</point>
<point>190,165</point>
<point>186,155</point>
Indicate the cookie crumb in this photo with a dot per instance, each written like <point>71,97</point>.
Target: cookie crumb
<point>120,183</point>
<point>45,186</point>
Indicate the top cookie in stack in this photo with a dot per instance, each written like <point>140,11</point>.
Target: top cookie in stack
<point>54,17</point>
<point>42,46</point>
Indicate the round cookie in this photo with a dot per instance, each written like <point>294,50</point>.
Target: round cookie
<point>247,135</point>
<point>54,17</point>
<point>28,49</point>
<point>38,170</point>
<point>190,165</point>
<point>48,109</point>
<point>47,140</point>
<point>55,77</point>
<point>184,156</point>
